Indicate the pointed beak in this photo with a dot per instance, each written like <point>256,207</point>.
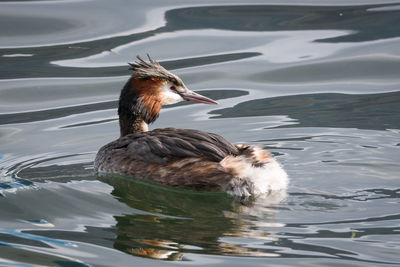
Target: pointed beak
<point>194,97</point>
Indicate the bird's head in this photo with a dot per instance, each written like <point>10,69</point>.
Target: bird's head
<point>153,81</point>
<point>150,87</point>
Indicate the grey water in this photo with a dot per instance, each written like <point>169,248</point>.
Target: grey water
<point>315,82</point>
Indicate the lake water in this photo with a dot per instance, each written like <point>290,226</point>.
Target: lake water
<point>315,82</point>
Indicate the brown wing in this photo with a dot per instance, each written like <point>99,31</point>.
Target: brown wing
<point>175,157</point>
<point>167,145</point>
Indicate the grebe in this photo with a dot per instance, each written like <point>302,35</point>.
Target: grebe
<point>183,158</point>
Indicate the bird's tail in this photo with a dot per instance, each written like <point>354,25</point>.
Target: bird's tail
<point>255,172</point>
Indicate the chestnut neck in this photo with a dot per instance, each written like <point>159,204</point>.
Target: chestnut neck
<point>130,117</point>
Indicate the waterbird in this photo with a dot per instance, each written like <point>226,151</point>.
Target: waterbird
<point>184,158</point>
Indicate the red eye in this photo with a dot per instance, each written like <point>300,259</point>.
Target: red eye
<point>172,88</point>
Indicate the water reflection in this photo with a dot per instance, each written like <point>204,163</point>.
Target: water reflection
<point>172,222</point>
<point>378,111</point>
<point>358,21</point>
<point>361,19</point>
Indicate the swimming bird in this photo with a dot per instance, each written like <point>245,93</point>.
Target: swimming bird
<point>184,158</point>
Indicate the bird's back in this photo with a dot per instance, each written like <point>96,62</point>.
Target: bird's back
<point>167,145</point>
<point>178,157</point>
<point>192,159</point>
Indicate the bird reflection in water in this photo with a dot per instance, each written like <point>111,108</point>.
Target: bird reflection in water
<point>167,222</point>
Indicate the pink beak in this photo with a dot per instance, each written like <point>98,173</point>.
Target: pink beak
<point>194,97</point>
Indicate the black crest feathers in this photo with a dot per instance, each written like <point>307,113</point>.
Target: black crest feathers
<point>152,69</point>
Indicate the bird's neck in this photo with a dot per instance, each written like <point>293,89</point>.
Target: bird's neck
<point>131,123</point>
<point>136,110</point>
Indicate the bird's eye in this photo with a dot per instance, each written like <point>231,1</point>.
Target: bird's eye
<point>172,88</point>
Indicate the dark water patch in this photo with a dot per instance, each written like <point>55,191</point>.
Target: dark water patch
<point>25,247</point>
<point>323,251</point>
<point>367,23</point>
<point>7,238</point>
<point>25,175</point>
<point>363,220</point>
<point>49,114</point>
<point>160,199</point>
<point>269,147</point>
<point>18,255</point>
<point>384,193</point>
<point>359,232</point>
<point>17,67</point>
<point>20,165</point>
<point>313,138</point>
<point>28,172</point>
<point>94,235</point>
<point>59,173</point>
<point>88,123</point>
<point>350,69</point>
<point>362,195</point>
<point>371,111</point>
<point>26,26</point>
<point>21,67</point>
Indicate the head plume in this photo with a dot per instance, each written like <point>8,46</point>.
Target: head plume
<point>152,69</point>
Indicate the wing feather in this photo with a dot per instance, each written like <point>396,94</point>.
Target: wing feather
<point>167,145</point>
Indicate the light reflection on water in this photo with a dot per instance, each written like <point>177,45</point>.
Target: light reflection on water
<point>316,85</point>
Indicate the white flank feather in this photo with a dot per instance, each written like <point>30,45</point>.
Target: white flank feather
<point>253,180</point>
